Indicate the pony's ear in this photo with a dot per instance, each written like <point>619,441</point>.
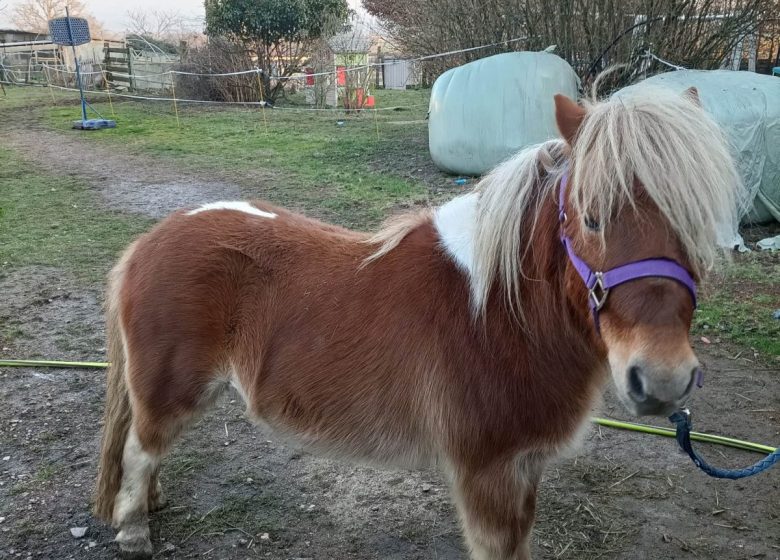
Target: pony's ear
<point>693,94</point>
<point>569,117</point>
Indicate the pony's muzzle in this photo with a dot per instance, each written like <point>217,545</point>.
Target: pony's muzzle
<point>657,392</point>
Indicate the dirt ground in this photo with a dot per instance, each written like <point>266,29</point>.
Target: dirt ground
<point>238,492</point>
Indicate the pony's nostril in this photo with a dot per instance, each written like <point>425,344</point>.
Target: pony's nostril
<point>635,385</point>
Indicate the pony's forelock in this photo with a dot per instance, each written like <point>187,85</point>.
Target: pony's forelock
<point>670,145</point>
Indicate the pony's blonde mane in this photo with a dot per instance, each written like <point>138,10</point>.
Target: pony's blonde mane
<point>394,231</point>
<point>663,139</point>
<point>506,202</point>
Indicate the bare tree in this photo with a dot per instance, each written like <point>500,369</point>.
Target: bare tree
<point>163,25</point>
<point>596,33</point>
<point>590,34</point>
<point>34,15</point>
<point>769,40</point>
<point>436,26</point>
<point>215,57</point>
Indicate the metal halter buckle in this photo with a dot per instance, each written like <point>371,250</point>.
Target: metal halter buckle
<point>598,293</point>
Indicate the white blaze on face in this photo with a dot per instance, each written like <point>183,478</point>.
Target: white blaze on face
<point>238,206</point>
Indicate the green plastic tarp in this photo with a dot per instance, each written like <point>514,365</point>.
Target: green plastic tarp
<point>487,110</point>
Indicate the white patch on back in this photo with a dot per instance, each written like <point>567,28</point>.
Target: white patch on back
<point>238,206</point>
<point>455,222</point>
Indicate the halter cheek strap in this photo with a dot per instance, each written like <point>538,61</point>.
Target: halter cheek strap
<point>600,283</point>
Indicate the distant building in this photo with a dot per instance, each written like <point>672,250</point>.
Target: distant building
<point>22,52</point>
<point>30,57</point>
<point>20,36</point>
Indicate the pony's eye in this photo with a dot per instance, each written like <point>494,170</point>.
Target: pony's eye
<point>592,224</point>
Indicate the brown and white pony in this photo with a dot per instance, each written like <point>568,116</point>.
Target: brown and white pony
<point>459,337</point>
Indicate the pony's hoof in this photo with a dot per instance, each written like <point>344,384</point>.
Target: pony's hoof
<point>134,543</point>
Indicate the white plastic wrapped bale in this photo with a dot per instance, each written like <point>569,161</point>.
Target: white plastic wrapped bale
<point>747,106</point>
<point>485,111</point>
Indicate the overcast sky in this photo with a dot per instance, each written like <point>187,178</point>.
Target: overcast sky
<point>112,13</point>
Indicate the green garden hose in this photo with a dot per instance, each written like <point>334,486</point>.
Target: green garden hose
<point>606,422</point>
<point>696,436</point>
<point>51,363</point>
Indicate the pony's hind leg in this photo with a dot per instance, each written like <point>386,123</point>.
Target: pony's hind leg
<point>131,508</point>
<point>148,441</point>
<point>497,507</point>
<point>162,376</point>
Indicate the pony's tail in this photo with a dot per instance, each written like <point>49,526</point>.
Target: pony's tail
<point>118,414</point>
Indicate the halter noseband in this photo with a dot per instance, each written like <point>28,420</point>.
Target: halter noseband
<point>600,283</point>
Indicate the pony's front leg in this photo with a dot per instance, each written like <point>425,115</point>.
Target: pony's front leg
<point>496,505</point>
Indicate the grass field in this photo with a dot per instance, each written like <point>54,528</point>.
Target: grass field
<point>342,163</point>
<point>350,169</point>
<point>52,220</point>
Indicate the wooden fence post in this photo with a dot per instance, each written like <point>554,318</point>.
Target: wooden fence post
<point>130,67</point>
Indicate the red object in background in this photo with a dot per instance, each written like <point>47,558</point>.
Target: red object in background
<point>309,76</point>
<point>341,75</point>
<point>358,100</point>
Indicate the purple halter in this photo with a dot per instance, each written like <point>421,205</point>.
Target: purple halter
<point>599,283</point>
